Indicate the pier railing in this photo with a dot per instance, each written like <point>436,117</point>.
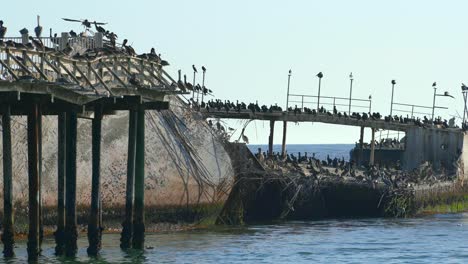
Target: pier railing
<point>330,102</point>
<point>414,110</point>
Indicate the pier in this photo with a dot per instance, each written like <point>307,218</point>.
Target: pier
<point>74,77</point>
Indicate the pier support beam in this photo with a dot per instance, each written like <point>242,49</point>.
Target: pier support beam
<point>361,145</point>
<point>371,158</point>
<point>127,228</point>
<point>95,216</point>
<point>71,233</point>
<point>283,145</point>
<point>33,245</point>
<point>139,216</point>
<point>270,138</point>
<point>8,218</point>
<point>61,165</point>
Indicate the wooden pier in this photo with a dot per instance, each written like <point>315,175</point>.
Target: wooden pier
<point>49,82</point>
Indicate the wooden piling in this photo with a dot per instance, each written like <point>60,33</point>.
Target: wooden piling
<point>371,159</point>
<point>127,228</point>
<point>283,145</point>
<point>70,234</point>
<point>361,145</point>
<point>139,213</point>
<point>33,245</point>
<point>61,165</point>
<point>41,225</point>
<point>270,138</point>
<point>95,216</point>
<point>8,218</point>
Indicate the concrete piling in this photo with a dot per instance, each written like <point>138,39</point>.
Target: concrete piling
<point>8,218</point>
<point>270,138</point>
<point>71,233</point>
<point>95,217</point>
<point>371,159</point>
<point>139,213</point>
<point>283,145</point>
<point>127,225</point>
<point>33,245</point>
<point>61,165</point>
<point>361,145</point>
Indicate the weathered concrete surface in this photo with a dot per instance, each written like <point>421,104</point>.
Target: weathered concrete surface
<point>185,162</point>
<point>438,146</point>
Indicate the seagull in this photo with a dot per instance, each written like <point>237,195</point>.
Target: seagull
<point>38,29</point>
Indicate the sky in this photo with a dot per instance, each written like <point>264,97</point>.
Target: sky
<point>248,48</point>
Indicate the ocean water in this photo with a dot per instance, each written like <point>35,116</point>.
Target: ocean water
<point>431,239</point>
<point>320,150</point>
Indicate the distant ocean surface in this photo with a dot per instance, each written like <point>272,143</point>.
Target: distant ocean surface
<point>321,150</point>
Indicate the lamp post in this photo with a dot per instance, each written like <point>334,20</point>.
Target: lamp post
<point>287,95</point>
<point>370,103</point>
<point>391,103</point>
<point>203,83</point>
<point>320,76</point>
<point>285,123</point>
<point>434,85</point>
<point>465,94</point>
<point>350,91</point>
<point>194,74</point>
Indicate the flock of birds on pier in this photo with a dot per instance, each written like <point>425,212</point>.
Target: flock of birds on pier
<point>229,106</point>
<point>110,47</point>
<point>338,169</point>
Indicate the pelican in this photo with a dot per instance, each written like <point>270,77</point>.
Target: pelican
<point>3,30</point>
<point>128,49</point>
<point>180,84</point>
<point>38,29</point>
<point>188,85</point>
<point>99,28</point>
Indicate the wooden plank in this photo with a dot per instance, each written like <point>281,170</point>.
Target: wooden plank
<point>68,72</point>
<point>36,67</point>
<point>84,76</point>
<point>21,65</point>
<point>115,75</point>
<point>9,70</point>
<point>99,78</point>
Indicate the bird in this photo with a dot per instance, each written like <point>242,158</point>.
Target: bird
<point>133,80</point>
<point>203,68</point>
<point>434,84</point>
<point>188,85</point>
<point>464,87</point>
<point>128,48</point>
<point>38,29</point>
<point>181,84</point>
<point>393,82</point>
<point>320,74</point>
<point>73,34</point>
<point>37,44</point>
<point>99,28</point>
<point>194,69</point>
<point>85,22</point>
<point>3,30</point>
<point>24,31</point>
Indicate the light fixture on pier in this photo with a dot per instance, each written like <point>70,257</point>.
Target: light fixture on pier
<point>351,78</point>
<point>391,102</point>
<point>446,94</point>
<point>320,76</point>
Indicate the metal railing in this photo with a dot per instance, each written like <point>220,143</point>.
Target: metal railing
<point>338,102</point>
<point>413,110</point>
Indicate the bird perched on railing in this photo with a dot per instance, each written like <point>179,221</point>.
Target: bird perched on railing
<point>133,80</point>
<point>188,85</point>
<point>38,29</point>
<point>128,48</point>
<point>181,84</point>
<point>99,28</point>
<point>194,68</point>
<point>73,34</point>
<point>3,30</point>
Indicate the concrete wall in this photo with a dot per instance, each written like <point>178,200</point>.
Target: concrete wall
<point>434,145</point>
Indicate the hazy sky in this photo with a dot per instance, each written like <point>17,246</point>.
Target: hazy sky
<point>249,46</point>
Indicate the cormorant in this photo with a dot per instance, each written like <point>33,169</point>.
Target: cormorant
<point>73,34</point>
<point>463,87</point>
<point>434,84</point>
<point>38,29</point>
<point>3,30</point>
<point>203,68</point>
<point>24,31</point>
<point>194,69</point>
<point>320,75</point>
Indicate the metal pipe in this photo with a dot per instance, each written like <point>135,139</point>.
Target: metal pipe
<point>350,91</point>
<point>433,103</point>
<point>391,103</point>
